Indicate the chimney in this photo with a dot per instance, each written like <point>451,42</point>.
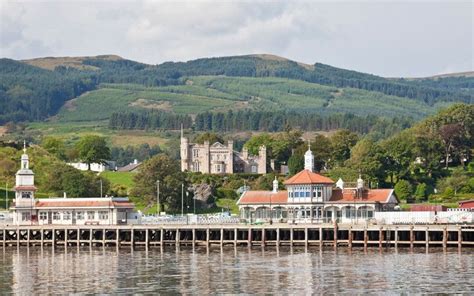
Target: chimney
<point>275,185</point>
<point>135,161</point>
<point>64,194</point>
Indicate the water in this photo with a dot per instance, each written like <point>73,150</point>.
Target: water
<point>229,271</point>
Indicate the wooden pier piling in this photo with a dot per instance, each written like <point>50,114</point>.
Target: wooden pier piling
<point>275,235</point>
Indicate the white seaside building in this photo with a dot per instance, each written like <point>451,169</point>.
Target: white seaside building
<point>311,197</point>
<point>27,210</point>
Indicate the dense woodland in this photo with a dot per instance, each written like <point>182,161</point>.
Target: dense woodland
<point>259,121</point>
<point>29,93</point>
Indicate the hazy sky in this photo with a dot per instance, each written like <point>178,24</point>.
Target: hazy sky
<point>389,38</point>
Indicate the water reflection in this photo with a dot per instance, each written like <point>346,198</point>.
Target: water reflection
<point>234,270</point>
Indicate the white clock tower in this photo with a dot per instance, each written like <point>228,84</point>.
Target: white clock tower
<point>25,190</point>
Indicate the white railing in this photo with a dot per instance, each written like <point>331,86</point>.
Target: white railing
<point>449,217</point>
<point>189,219</point>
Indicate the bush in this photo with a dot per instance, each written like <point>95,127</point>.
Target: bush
<point>226,193</point>
<point>403,189</point>
<point>421,191</point>
<point>448,191</point>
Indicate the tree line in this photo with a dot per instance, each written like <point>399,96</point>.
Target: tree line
<point>248,120</point>
<point>149,120</point>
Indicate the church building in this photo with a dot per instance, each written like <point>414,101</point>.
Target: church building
<point>218,158</point>
<point>312,198</point>
<point>30,211</point>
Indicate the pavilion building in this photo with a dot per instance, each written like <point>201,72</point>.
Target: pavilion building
<point>67,211</point>
<point>311,197</point>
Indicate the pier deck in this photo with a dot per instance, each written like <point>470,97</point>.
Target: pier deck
<point>239,235</point>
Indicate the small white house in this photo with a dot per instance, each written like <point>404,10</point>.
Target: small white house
<point>95,167</point>
<point>27,210</point>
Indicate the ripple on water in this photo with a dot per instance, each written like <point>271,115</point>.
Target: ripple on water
<point>252,271</point>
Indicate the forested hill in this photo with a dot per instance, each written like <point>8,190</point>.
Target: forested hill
<point>36,89</point>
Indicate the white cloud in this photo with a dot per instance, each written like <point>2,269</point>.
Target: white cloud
<point>386,38</point>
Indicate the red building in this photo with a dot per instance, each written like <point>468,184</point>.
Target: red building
<point>428,208</point>
<point>466,204</point>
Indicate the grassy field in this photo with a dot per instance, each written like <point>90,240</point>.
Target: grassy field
<point>119,178</point>
<point>216,93</point>
<point>70,132</point>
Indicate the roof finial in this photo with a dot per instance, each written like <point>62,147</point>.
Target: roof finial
<point>309,144</point>
<point>24,146</point>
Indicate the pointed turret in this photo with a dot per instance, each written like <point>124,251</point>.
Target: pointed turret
<point>360,182</point>
<point>309,159</point>
<point>25,181</point>
<point>275,185</point>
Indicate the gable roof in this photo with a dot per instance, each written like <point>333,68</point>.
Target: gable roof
<point>368,195</point>
<point>218,145</point>
<point>263,197</point>
<point>308,177</point>
<point>129,167</point>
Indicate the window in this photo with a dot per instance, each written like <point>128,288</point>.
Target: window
<point>103,215</point>
<point>67,215</point>
<point>43,215</point>
<point>26,195</point>
<point>90,215</point>
<point>196,166</point>
<point>307,193</point>
<point>56,216</point>
<point>218,168</point>
<point>254,169</point>
<point>80,215</point>
<point>195,153</point>
<point>25,216</point>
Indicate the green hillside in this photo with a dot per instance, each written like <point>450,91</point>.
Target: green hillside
<point>210,93</point>
<point>37,89</point>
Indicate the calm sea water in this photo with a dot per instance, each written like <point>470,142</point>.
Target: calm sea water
<point>230,271</point>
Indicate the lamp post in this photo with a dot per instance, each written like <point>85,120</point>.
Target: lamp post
<point>182,199</point>
<point>100,187</point>
<point>158,198</point>
<point>6,196</point>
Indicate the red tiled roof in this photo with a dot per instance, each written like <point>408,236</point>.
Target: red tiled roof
<point>123,204</point>
<point>308,177</point>
<point>257,197</point>
<point>338,196</point>
<point>31,188</point>
<point>368,195</point>
<point>82,204</point>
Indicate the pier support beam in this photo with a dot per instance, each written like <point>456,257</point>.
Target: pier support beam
<point>396,237</point>
<point>427,238</point>
<point>365,237</point>
<point>445,237</point>
<point>459,237</point>
<point>350,237</point>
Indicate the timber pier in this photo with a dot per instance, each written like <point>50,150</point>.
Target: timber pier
<point>239,235</point>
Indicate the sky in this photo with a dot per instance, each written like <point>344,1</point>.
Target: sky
<point>387,38</point>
